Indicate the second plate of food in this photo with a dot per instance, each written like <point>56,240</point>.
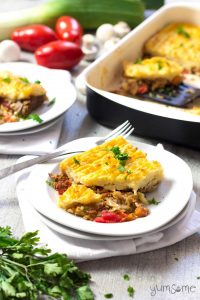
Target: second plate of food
<point>166,201</point>
<point>34,95</point>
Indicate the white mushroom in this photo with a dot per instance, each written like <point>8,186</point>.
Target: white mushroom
<point>105,32</point>
<point>110,43</point>
<point>121,29</point>
<point>9,51</point>
<point>89,47</point>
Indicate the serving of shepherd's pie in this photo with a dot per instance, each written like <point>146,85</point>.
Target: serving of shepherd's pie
<point>107,183</point>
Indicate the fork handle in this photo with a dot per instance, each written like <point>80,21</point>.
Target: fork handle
<point>33,161</point>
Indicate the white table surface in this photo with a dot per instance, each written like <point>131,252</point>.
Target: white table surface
<point>152,273</point>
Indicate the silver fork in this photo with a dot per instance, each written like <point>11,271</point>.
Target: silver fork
<point>124,130</point>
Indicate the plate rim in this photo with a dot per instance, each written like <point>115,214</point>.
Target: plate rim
<point>173,222</point>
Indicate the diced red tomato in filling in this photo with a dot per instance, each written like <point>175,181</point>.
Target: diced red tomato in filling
<point>111,217</point>
<point>142,89</point>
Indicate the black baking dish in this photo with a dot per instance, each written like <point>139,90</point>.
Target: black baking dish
<point>149,119</point>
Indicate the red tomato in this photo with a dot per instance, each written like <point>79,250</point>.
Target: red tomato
<point>33,36</point>
<point>59,55</point>
<point>111,217</point>
<point>69,29</point>
<point>142,89</point>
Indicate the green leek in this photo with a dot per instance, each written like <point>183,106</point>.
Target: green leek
<point>89,13</point>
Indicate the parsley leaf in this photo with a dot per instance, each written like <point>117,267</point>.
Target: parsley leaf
<point>76,161</point>
<point>24,79</point>
<point>160,66</point>
<point>131,291</point>
<point>121,168</point>
<point>34,117</point>
<point>153,201</point>
<point>37,81</point>
<point>138,61</point>
<point>180,30</point>
<point>176,258</point>
<point>52,102</point>
<point>7,79</point>
<point>50,183</point>
<point>126,277</point>
<point>122,157</point>
<point>28,271</point>
<point>115,150</point>
<point>108,296</point>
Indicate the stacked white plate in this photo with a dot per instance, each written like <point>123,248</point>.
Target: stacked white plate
<point>58,86</point>
<point>174,194</point>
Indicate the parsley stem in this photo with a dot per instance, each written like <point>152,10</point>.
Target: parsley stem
<point>14,263</point>
<point>11,262</point>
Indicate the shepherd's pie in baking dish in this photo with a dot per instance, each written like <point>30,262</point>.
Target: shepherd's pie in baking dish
<point>179,42</point>
<point>150,74</point>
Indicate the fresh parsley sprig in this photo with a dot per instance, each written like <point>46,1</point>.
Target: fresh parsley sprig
<point>122,157</point>
<point>153,201</point>
<point>34,117</point>
<point>28,271</point>
<point>180,30</point>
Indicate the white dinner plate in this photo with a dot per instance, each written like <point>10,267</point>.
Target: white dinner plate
<point>67,231</point>
<point>57,84</point>
<point>32,130</point>
<point>173,193</point>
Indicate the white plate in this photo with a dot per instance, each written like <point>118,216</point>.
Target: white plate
<point>57,84</point>
<point>32,130</point>
<point>88,236</point>
<point>173,192</point>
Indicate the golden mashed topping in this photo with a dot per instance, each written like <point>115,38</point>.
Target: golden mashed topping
<point>152,68</point>
<point>114,165</point>
<point>17,88</point>
<point>78,194</point>
<point>179,42</point>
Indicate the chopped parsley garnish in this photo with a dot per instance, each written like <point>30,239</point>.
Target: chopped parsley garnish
<point>130,291</point>
<point>126,277</point>
<point>34,117</point>
<point>122,157</point>
<point>49,183</point>
<point>29,270</point>
<point>160,66</point>
<point>153,201</point>
<point>37,81</point>
<point>176,258</point>
<point>115,150</point>
<point>108,296</point>
<point>52,101</point>
<point>129,171</point>
<point>181,30</point>
<point>7,79</point>
<point>121,168</point>
<point>24,79</point>
<point>76,161</point>
<point>138,61</point>
<point>106,163</point>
